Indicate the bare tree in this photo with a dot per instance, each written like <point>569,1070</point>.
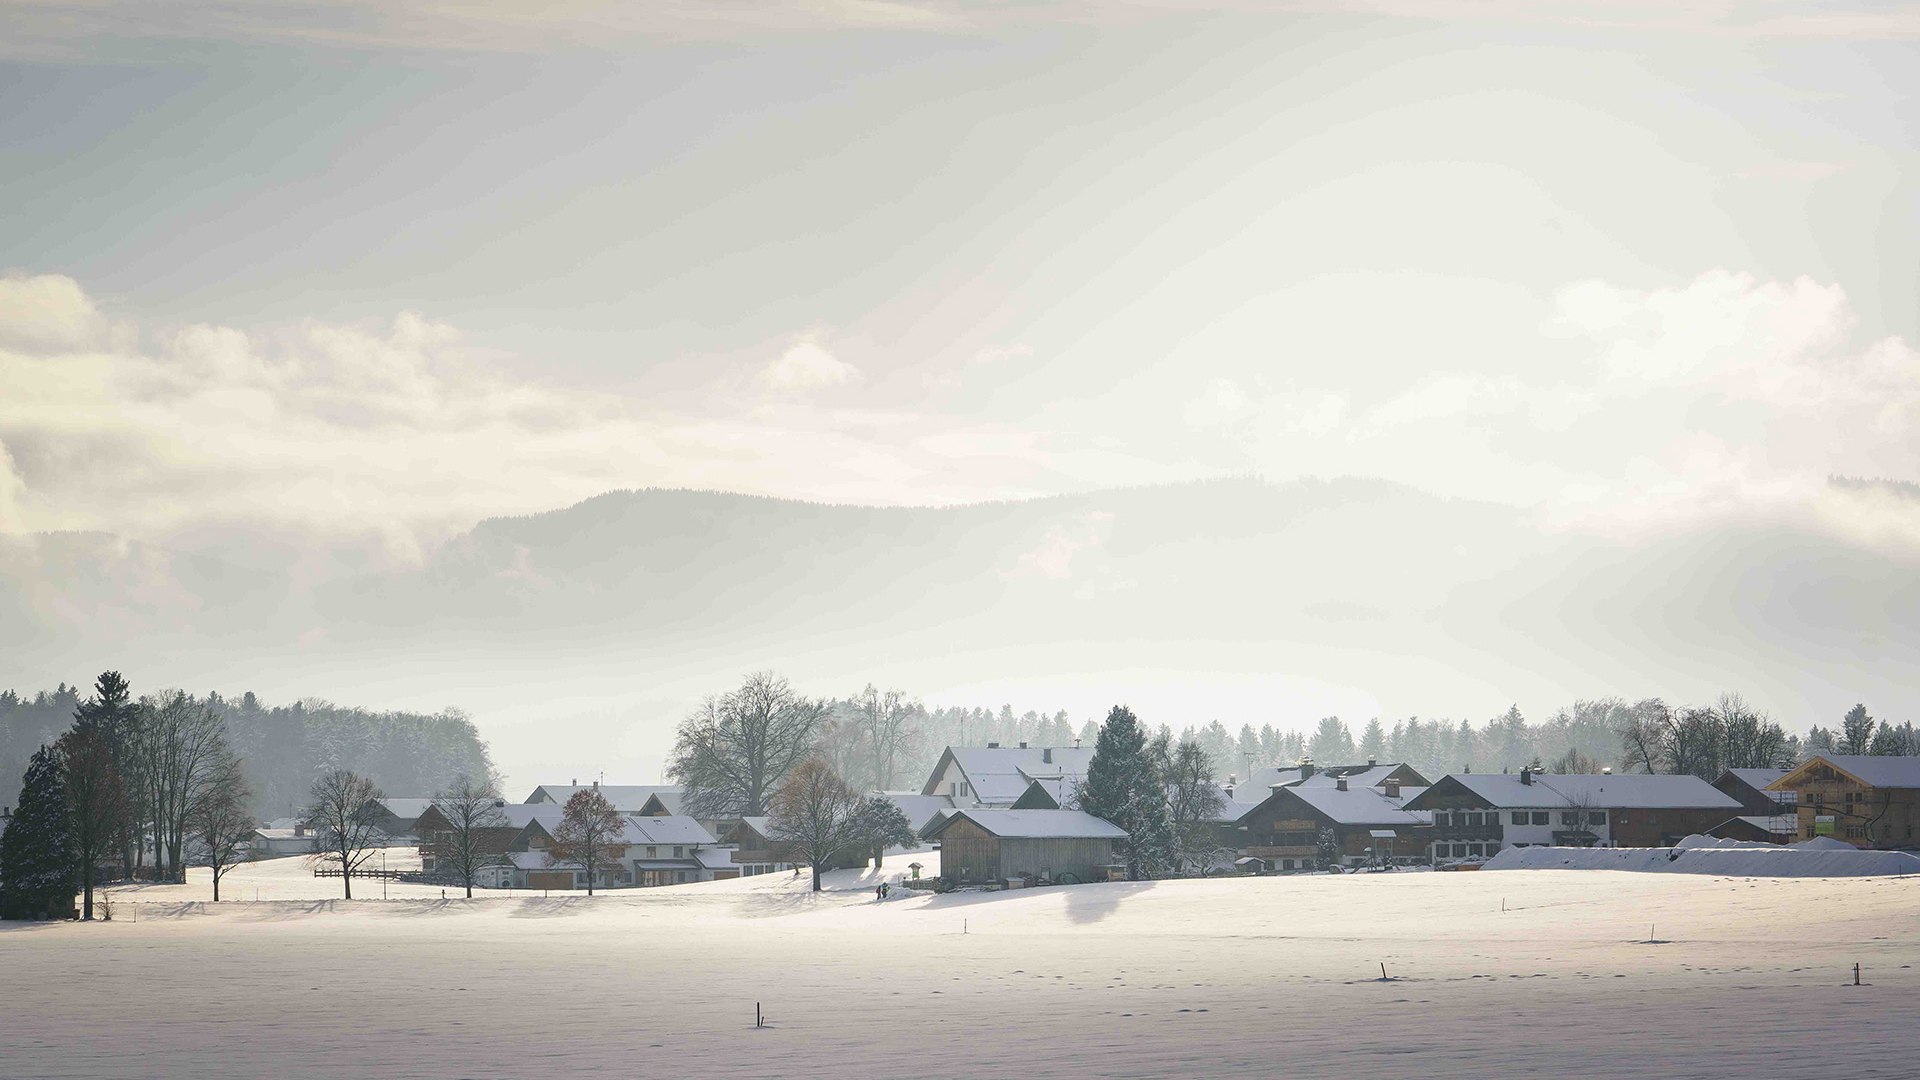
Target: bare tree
<point>888,720</point>
<point>343,830</point>
<point>1195,802</point>
<point>813,814</point>
<point>733,752</point>
<point>219,815</point>
<point>589,834</point>
<point>471,841</point>
<point>95,799</point>
<point>178,744</point>
<point>1641,737</point>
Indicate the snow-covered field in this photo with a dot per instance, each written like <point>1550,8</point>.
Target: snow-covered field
<point>1545,973</point>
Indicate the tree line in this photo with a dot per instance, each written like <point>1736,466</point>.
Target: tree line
<point>141,787</point>
<point>284,746</point>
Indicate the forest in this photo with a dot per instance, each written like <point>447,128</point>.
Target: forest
<point>281,747</point>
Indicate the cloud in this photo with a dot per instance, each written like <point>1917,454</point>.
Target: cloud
<point>807,366</point>
<point>401,430</point>
<point>47,313</point>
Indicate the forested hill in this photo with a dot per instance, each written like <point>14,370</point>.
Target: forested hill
<point>282,747</point>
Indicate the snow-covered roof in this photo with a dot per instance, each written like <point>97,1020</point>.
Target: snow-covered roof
<point>665,830</point>
<point>670,799</point>
<point>1000,774</point>
<point>919,809</point>
<point>1261,781</point>
<point>1361,805</point>
<point>1874,770</point>
<point>406,809</point>
<point>715,858</point>
<point>520,815</point>
<point>626,798</point>
<point>1757,778</point>
<point>1607,792</point>
<point>1036,824</point>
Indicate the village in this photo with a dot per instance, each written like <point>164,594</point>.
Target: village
<point>1006,817</point>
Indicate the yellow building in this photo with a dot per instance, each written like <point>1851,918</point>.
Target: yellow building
<point>1867,801</point>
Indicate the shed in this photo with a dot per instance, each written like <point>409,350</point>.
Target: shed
<point>979,847</point>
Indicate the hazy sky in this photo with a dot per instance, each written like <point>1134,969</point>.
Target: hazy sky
<point>372,271</point>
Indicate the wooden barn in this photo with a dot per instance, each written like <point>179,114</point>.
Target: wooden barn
<point>984,847</point>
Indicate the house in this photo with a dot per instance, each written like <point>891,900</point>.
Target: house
<point>755,850</point>
<point>395,817</point>
<point>281,837</point>
<point>1867,801</point>
<point>1475,815</point>
<point>997,776</point>
<point>663,851</point>
<point>1243,797</point>
<point>522,827</point>
<point>1369,824</point>
<point>988,846</point>
<point>1749,788</point>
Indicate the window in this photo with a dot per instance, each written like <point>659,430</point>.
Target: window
<point>1596,817</point>
<point>1442,819</point>
<point>651,852</point>
<point>679,852</point>
<point>1520,817</point>
<point>1570,818</point>
<point>1540,817</point>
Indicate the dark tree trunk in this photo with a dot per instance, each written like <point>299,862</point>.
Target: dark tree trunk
<point>816,876</point>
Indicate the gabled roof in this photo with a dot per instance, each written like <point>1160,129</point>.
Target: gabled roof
<point>626,798</point>
<point>1048,793</point>
<point>405,809</point>
<point>1870,769</point>
<point>1758,779</point>
<point>715,858</point>
<point>665,830</point>
<point>1034,824</point>
<point>998,775</point>
<point>1359,805</point>
<point>1261,781</point>
<point>665,800</point>
<point>1626,791</point>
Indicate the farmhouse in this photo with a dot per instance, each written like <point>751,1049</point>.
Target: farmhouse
<point>1243,796</point>
<point>997,776</point>
<point>1368,825</point>
<point>988,846</point>
<point>396,817</point>
<point>522,827</point>
<point>1477,814</point>
<point>755,850</point>
<point>1868,801</point>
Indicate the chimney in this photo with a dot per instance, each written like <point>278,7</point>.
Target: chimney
<point>1230,783</point>
<point>499,803</point>
<point>993,746</point>
<point>1340,784</point>
<point>1076,742</point>
<point>1606,770</point>
<point>1047,755</point>
<point>596,785</point>
<point>575,782</point>
<point>1371,762</point>
<point>1306,768</point>
<point>1393,789</point>
<point>1023,746</point>
<point>1526,775</point>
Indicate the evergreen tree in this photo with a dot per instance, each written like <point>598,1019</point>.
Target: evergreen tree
<point>36,852</point>
<point>1856,731</point>
<point>1327,849</point>
<point>1126,785</point>
<point>1373,741</point>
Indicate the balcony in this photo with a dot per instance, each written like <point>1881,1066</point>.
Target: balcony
<point>1451,833</point>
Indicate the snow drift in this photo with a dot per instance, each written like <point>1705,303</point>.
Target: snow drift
<point>1705,855</point>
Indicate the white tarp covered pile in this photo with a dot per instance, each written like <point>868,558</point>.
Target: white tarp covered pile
<point>1705,855</point>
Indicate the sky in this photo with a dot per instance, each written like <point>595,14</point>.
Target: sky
<point>365,273</point>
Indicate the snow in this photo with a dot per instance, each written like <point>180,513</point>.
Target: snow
<point>1044,824</point>
<point>1708,855</point>
<point>1668,975</point>
<point>1609,792</point>
<point>1875,770</point>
